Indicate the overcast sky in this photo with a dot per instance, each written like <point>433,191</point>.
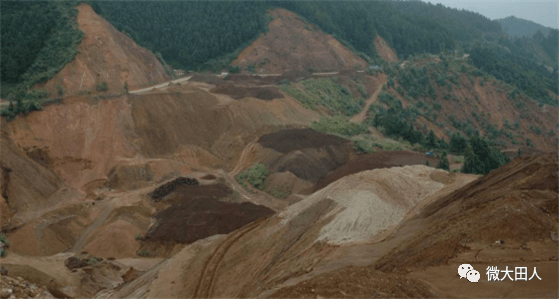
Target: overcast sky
<point>544,12</point>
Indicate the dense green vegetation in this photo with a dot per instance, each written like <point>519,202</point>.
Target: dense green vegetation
<point>481,157</point>
<point>188,34</point>
<point>463,25</point>
<point>533,79</point>
<point>4,240</point>
<point>34,51</point>
<point>255,175</point>
<point>443,162</point>
<point>25,102</point>
<point>520,27</point>
<point>339,125</point>
<point>326,92</point>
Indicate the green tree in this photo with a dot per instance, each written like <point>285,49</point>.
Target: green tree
<point>255,175</point>
<point>458,143</point>
<point>443,162</point>
<point>126,87</point>
<point>481,158</point>
<point>431,140</point>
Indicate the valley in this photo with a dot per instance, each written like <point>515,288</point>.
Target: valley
<point>308,170</point>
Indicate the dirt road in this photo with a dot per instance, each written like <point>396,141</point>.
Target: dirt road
<point>358,118</point>
<point>95,225</point>
<point>161,85</point>
<point>187,78</point>
<point>207,279</point>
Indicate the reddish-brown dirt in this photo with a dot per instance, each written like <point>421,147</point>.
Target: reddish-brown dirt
<point>87,140</point>
<point>384,50</point>
<point>105,55</point>
<point>384,159</point>
<point>517,204</point>
<point>25,184</point>
<point>293,44</point>
<point>356,282</point>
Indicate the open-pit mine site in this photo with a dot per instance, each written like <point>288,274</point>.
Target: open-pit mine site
<point>302,169</point>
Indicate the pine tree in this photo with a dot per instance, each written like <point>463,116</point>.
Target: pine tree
<point>443,162</point>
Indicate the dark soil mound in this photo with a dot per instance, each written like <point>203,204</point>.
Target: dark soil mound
<point>286,141</point>
<point>196,213</point>
<point>311,164</point>
<point>167,188</point>
<point>238,92</point>
<point>209,177</point>
<point>515,204</point>
<point>75,262</point>
<point>373,161</point>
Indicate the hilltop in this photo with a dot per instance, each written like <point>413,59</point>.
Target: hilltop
<point>292,43</point>
<point>520,27</point>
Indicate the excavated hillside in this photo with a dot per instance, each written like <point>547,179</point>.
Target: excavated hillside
<point>507,218</point>
<point>298,164</point>
<point>76,174</point>
<point>307,235</point>
<point>516,205</point>
<point>384,50</point>
<point>105,55</point>
<point>85,140</point>
<point>294,44</point>
<point>26,185</point>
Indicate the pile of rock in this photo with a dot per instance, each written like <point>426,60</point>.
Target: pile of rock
<point>12,288</point>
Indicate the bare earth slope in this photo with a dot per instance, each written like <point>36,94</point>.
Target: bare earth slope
<point>106,55</point>
<point>25,184</point>
<point>293,44</point>
<point>263,254</point>
<point>384,50</point>
<point>85,139</point>
<point>506,219</point>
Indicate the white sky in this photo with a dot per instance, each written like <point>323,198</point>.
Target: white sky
<point>544,12</point>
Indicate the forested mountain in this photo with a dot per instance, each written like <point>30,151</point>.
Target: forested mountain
<point>187,33</point>
<point>34,51</point>
<point>208,35</point>
<point>521,27</point>
<point>462,24</point>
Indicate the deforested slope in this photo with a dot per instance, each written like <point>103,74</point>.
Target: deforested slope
<point>86,140</point>
<point>515,204</point>
<point>105,55</point>
<point>251,259</point>
<point>25,184</point>
<point>292,43</point>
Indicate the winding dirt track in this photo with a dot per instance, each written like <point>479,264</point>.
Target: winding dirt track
<point>358,118</point>
<point>205,285</point>
<point>242,158</point>
<point>107,208</point>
